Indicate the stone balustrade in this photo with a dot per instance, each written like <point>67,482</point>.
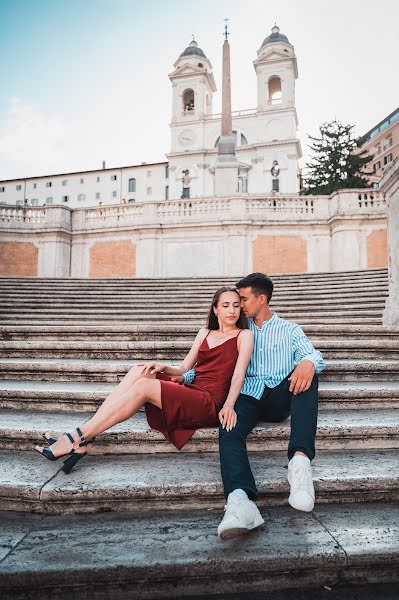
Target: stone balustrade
<point>269,208</point>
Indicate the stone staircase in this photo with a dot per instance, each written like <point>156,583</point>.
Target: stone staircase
<point>147,514</point>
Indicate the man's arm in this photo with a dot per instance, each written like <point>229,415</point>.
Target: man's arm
<point>303,349</point>
<point>309,361</point>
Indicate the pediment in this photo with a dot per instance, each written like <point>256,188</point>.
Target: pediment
<point>187,70</point>
<point>272,54</point>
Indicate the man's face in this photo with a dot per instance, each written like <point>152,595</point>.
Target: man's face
<point>250,303</point>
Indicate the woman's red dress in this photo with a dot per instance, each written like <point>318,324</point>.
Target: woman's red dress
<point>186,408</point>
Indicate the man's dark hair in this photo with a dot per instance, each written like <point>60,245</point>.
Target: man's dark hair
<point>259,283</point>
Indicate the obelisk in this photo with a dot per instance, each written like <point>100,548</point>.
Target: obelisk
<point>226,166</point>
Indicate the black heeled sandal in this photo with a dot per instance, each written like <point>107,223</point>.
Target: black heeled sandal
<point>47,453</point>
<point>72,460</point>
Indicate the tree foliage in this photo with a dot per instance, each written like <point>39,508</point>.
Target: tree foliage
<point>336,163</point>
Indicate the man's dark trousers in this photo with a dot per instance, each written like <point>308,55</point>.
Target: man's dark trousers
<point>275,405</point>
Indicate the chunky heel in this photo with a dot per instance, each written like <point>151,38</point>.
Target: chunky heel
<point>71,462</point>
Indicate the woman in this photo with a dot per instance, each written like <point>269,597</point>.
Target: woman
<point>220,353</point>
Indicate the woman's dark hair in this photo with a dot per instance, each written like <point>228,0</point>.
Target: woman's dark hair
<point>212,322</point>
<point>260,284</point>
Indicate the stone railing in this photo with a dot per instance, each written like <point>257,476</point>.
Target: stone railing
<point>22,214</point>
<point>35,217</point>
<point>271,208</point>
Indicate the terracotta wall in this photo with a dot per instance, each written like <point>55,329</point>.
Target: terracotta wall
<point>18,259</point>
<point>377,249</point>
<point>113,259</point>
<point>280,254</point>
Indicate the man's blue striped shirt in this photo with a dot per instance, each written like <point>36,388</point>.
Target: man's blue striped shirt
<point>279,345</point>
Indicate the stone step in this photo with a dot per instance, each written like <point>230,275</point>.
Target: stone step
<point>76,396</point>
<point>325,276</point>
<point>172,351</point>
<point>177,554</point>
<point>112,371</point>
<point>73,396</point>
<point>36,295</point>
<point>338,429</point>
<point>58,330</point>
<point>144,483</point>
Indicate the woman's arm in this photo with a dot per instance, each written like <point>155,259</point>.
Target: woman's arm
<point>187,363</point>
<point>227,415</point>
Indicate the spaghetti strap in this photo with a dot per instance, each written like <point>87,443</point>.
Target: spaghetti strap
<point>239,333</point>
<point>209,331</point>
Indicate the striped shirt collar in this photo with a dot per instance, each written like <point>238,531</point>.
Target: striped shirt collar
<point>265,324</point>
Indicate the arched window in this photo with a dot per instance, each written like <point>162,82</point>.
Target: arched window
<point>132,185</point>
<point>188,101</point>
<point>275,94</point>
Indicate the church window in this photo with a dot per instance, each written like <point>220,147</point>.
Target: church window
<point>149,191</point>
<point>188,101</point>
<point>19,202</point>
<point>243,140</point>
<point>34,186</point>
<point>167,172</point>
<point>81,197</point>
<point>276,185</point>
<point>19,187</point>
<point>114,194</point>
<point>65,182</point>
<point>166,192</point>
<point>149,173</point>
<point>34,201</point>
<point>97,195</point>
<point>275,94</point>
<point>82,180</point>
<point>48,184</point>
<point>65,198</point>
<point>132,185</point>
<point>2,189</point>
<point>98,179</point>
<point>114,177</point>
<point>49,200</point>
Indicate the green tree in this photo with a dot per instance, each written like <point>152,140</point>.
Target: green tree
<point>336,163</point>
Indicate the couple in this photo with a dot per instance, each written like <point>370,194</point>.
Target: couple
<point>248,364</point>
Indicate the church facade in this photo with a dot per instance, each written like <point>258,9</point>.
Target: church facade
<point>265,137</point>
<point>226,202</point>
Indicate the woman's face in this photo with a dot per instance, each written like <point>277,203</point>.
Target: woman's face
<point>228,308</point>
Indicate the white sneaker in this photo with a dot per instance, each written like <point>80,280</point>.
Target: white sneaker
<point>241,515</point>
<point>300,479</point>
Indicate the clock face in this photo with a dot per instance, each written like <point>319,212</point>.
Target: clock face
<point>186,138</point>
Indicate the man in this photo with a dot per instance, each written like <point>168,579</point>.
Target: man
<point>280,381</point>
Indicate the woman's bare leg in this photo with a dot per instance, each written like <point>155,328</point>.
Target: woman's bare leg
<point>135,373</point>
<point>114,410</point>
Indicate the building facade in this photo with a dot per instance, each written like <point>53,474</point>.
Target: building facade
<point>382,143</point>
<point>265,136</point>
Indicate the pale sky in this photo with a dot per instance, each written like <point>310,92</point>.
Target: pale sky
<point>87,80</point>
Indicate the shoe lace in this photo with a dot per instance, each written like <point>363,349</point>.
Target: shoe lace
<point>302,479</point>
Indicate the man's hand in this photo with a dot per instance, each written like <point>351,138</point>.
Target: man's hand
<point>228,417</point>
<point>302,376</point>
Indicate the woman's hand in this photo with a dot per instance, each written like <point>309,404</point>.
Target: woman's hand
<point>228,417</point>
<point>177,378</point>
<point>153,368</point>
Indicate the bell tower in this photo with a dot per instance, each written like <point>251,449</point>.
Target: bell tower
<point>193,86</point>
<point>276,70</point>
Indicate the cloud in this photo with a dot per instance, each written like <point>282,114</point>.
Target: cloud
<point>31,140</point>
